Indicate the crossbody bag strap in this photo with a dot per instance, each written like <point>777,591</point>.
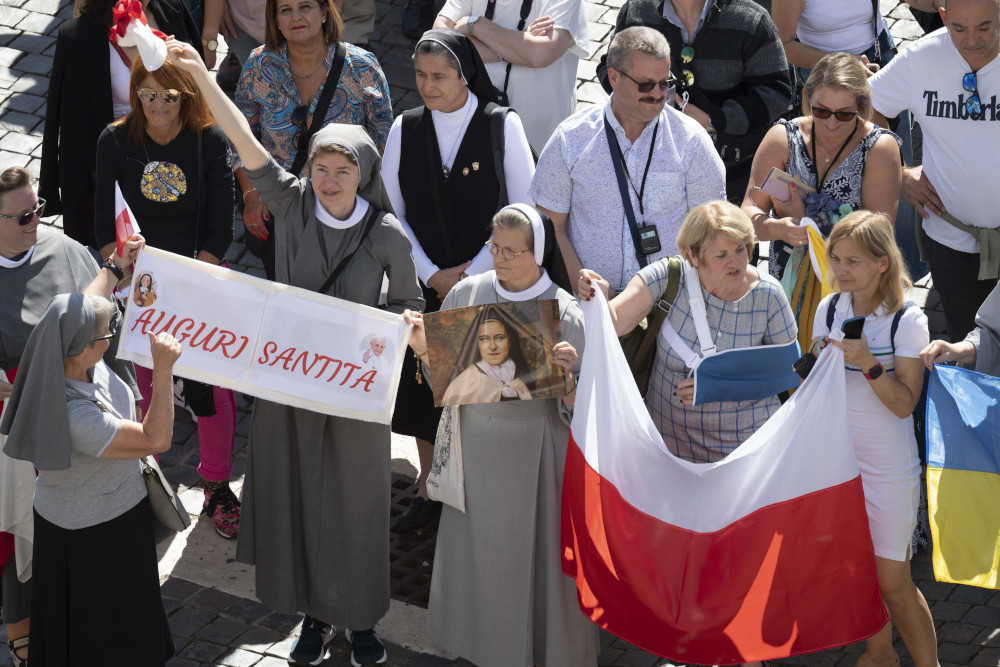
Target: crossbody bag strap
<point>661,309</point>
<point>616,160</point>
<point>433,155</point>
<point>525,10</point>
<point>373,217</point>
<point>322,106</point>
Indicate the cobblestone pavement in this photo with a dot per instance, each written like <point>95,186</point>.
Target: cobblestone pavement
<point>217,628</point>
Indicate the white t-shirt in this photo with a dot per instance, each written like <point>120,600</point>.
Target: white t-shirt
<point>960,153</point>
<point>838,25</point>
<point>542,96</point>
<point>518,166</point>
<point>885,439</point>
<point>120,104</point>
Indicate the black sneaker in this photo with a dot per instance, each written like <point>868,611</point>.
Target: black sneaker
<point>310,646</point>
<point>421,511</point>
<point>366,649</point>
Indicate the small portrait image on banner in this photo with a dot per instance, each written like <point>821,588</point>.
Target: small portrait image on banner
<point>373,348</point>
<point>145,290</point>
<point>494,352</point>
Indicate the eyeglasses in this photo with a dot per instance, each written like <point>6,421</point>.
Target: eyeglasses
<point>25,218</point>
<point>508,253</point>
<point>647,86</point>
<point>842,116</point>
<point>170,95</point>
<point>112,327</point>
<point>299,115</point>
<point>972,105</point>
<point>687,76</point>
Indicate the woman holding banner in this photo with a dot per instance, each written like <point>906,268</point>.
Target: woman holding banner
<point>498,595</point>
<point>316,496</point>
<point>170,162</point>
<point>884,378</point>
<point>445,199</point>
<point>723,304</point>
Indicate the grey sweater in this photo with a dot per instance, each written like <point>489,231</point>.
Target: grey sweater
<point>739,66</point>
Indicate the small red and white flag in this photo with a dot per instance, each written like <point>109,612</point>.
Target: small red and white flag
<point>762,555</point>
<point>125,222</point>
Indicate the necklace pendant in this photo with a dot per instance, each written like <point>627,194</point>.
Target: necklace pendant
<point>827,160</point>
<point>446,171</point>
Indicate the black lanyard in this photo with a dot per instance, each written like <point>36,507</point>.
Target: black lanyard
<point>618,160</point>
<point>812,135</point>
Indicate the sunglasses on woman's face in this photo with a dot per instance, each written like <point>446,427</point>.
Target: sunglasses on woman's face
<point>842,116</point>
<point>972,105</point>
<point>25,218</point>
<point>112,327</point>
<point>170,95</point>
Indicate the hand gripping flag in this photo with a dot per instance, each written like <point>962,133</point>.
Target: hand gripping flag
<point>762,555</point>
<point>130,28</point>
<point>963,475</point>
<point>125,222</point>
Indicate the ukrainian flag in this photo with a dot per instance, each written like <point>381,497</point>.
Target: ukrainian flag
<point>963,475</point>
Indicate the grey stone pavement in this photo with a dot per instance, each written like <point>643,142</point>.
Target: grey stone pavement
<point>217,621</point>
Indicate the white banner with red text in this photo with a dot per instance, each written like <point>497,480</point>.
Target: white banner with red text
<point>280,343</point>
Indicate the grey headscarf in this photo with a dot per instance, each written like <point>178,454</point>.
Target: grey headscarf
<point>986,335</point>
<point>36,422</point>
<point>356,140</point>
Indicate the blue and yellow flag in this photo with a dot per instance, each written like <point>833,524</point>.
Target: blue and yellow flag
<point>963,475</point>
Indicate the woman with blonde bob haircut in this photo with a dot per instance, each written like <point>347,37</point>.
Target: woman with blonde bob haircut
<point>743,309</point>
<point>884,377</point>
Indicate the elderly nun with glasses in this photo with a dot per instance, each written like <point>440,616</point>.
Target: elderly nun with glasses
<point>498,595</point>
<point>71,417</point>
<point>445,186</point>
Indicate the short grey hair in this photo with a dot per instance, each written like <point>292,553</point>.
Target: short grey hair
<point>104,310</point>
<point>638,39</point>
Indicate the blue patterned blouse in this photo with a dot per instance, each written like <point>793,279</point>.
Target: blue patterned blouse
<point>267,97</point>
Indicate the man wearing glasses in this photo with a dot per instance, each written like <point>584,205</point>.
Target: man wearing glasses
<point>950,81</point>
<point>732,76</point>
<point>618,178</point>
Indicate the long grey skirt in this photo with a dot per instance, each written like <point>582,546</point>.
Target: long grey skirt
<point>315,516</point>
<point>498,594</point>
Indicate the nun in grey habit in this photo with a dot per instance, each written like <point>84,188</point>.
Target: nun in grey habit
<point>498,594</point>
<point>981,347</point>
<point>315,515</point>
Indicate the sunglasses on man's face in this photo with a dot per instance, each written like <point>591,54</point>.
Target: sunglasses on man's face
<point>647,86</point>
<point>842,116</point>
<point>972,105</point>
<point>25,218</point>
<point>170,95</point>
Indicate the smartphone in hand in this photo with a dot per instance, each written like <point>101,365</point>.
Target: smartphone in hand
<point>853,327</point>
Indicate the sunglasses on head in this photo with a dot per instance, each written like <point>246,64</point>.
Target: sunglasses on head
<point>25,218</point>
<point>647,86</point>
<point>842,116</point>
<point>170,95</point>
<point>971,84</point>
<point>112,327</point>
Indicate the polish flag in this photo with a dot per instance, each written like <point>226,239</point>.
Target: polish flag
<point>762,555</point>
<point>125,222</point>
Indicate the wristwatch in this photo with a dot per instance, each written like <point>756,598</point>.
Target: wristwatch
<point>875,372</point>
<point>113,267</point>
<point>471,23</point>
<point>210,44</point>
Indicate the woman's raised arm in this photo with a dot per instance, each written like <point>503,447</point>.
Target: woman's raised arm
<point>229,118</point>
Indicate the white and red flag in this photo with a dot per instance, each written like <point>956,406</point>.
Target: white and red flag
<point>125,222</point>
<point>762,555</point>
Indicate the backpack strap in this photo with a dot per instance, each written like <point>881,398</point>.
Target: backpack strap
<point>831,310</point>
<point>498,116</point>
<point>895,323</point>
<point>661,309</point>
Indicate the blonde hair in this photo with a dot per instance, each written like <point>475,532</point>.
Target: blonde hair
<point>706,221</point>
<point>843,71</point>
<point>873,234</point>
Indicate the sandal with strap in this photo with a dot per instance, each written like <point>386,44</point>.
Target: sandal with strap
<point>15,646</point>
<point>866,661</point>
<point>223,507</point>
